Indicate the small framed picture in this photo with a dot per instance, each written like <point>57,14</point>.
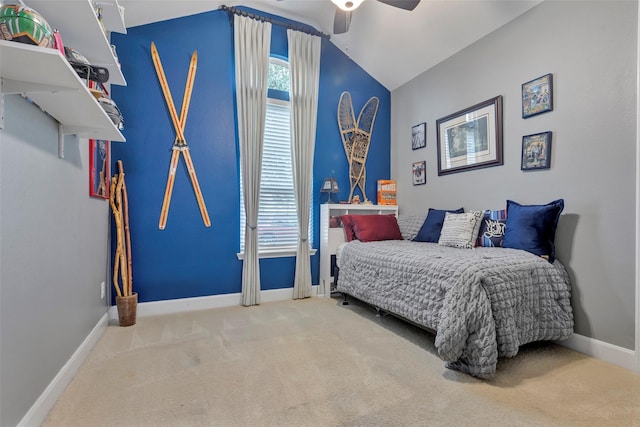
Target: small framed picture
<point>537,96</point>
<point>536,151</point>
<point>99,176</point>
<point>419,173</point>
<point>419,136</point>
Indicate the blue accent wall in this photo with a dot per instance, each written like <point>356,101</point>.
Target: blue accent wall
<point>187,259</point>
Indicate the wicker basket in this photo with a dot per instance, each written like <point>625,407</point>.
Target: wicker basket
<point>127,309</point>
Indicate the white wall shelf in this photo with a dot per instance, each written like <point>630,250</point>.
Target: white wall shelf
<point>80,29</point>
<point>331,238</point>
<point>44,76</point>
<point>112,15</point>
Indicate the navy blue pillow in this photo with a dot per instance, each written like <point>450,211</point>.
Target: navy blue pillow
<point>430,230</point>
<point>533,227</point>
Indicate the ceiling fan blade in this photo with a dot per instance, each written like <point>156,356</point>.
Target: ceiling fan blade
<point>402,4</point>
<point>341,21</point>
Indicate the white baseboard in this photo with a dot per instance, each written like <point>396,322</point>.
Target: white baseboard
<point>601,350</point>
<point>38,412</point>
<point>155,308</point>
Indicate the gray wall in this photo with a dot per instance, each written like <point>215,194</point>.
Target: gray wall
<point>590,47</point>
<point>53,246</point>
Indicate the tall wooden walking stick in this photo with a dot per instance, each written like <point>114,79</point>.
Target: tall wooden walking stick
<point>125,212</point>
<point>122,266</point>
<point>126,300</point>
<point>121,251</point>
<point>116,217</point>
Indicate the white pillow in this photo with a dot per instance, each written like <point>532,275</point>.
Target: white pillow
<point>461,230</point>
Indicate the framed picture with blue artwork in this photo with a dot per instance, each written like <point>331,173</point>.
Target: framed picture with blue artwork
<point>536,151</point>
<point>537,96</point>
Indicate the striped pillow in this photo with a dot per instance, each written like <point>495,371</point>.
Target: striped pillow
<point>461,230</point>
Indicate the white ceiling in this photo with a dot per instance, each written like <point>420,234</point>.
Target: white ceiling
<point>391,44</point>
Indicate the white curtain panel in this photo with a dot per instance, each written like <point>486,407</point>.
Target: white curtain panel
<point>304,65</point>
<point>252,39</point>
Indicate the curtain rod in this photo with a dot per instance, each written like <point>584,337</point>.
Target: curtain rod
<point>236,11</point>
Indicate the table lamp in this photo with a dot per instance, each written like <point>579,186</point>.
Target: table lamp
<point>330,185</point>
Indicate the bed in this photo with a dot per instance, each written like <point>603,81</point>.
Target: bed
<point>483,303</point>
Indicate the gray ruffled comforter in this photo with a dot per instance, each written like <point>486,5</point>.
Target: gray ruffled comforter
<point>483,303</point>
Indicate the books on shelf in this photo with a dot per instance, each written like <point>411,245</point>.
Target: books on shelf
<point>387,192</point>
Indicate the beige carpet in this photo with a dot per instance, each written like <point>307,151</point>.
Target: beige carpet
<point>317,363</point>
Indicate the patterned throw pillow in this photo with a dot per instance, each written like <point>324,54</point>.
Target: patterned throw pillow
<point>460,230</point>
<point>492,228</point>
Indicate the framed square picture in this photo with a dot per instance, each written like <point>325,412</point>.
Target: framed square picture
<point>99,175</point>
<point>537,96</point>
<point>470,138</point>
<point>536,151</point>
<point>419,136</point>
<point>419,172</point>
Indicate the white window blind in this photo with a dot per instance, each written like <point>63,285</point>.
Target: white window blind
<point>277,219</point>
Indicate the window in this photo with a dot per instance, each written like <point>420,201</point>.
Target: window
<point>277,219</point>
<point>278,76</point>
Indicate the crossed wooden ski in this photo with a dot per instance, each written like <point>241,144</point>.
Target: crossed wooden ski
<point>180,143</point>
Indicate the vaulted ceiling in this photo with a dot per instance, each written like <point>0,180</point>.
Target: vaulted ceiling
<point>391,44</point>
